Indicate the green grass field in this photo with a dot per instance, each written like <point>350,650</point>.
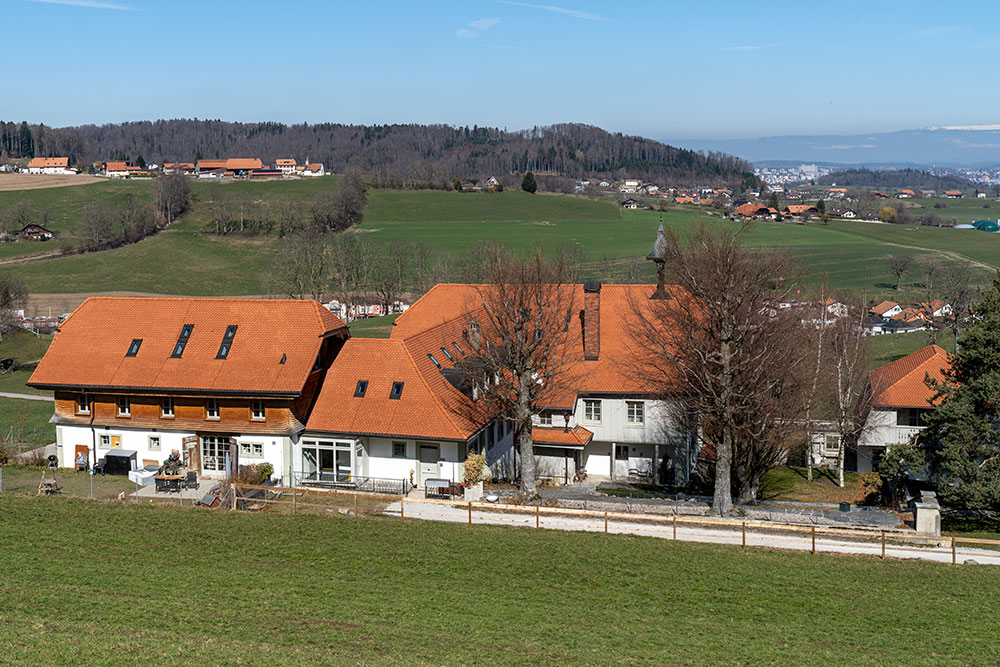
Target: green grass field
<point>27,421</point>
<point>186,260</point>
<point>116,583</point>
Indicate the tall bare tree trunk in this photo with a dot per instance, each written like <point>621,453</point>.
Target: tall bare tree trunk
<point>526,448</point>
<point>722,499</point>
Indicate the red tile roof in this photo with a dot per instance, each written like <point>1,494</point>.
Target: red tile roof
<point>750,209</point>
<point>426,408</point>
<point>574,437</point>
<point>48,162</point>
<point>273,352</point>
<point>884,307</point>
<point>244,163</point>
<point>286,162</point>
<point>901,383</point>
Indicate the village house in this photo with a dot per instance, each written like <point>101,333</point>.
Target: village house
<point>849,214</point>
<point>885,309</point>
<point>878,195</point>
<point>50,166</point>
<point>186,168</point>
<point>222,382</point>
<point>905,194</point>
<point>936,308</point>
<point>121,169</point>
<point>286,165</point>
<point>894,401</point>
<point>799,209</point>
<point>311,169</point>
<point>35,232</point>
<point>630,204</point>
<point>752,211</point>
<point>630,187</point>
<point>953,194</point>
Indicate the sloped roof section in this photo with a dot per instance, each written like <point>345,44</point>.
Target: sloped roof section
<point>273,351</point>
<point>900,384</point>
<point>558,437</point>
<point>38,162</point>
<point>421,411</point>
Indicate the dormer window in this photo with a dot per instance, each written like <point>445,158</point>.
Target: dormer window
<point>133,349</point>
<point>182,341</point>
<point>257,409</point>
<point>397,391</point>
<point>212,408</point>
<point>124,406</point>
<point>436,362</point>
<point>83,404</point>
<point>360,389</point>
<point>227,342</point>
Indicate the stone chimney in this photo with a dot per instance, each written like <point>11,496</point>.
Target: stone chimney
<point>590,320</point>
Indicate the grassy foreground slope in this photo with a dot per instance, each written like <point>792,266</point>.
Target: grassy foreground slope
<point>116,583</point>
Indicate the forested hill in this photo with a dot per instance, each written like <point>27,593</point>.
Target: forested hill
<point>424,152</point>
<point>895,178</point>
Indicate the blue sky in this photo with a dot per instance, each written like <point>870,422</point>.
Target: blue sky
<point>660,69</point>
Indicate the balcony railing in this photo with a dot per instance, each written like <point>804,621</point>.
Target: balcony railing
<point>334,480</point>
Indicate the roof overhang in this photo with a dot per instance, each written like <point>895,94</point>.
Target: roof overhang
<point>172,391</point>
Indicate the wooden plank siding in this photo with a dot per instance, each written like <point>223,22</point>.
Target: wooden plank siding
<point>189,414</point>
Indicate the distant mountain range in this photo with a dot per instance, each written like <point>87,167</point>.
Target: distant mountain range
<point>975,146</point>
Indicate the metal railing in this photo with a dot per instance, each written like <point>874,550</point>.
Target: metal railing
<point>334,480</point>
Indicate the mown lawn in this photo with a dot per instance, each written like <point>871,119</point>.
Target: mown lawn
<point>790,483</point>
<point>889,347</point>
<point>27,421</point>
<point>116,583</point>
<point>24,346</point>
<point>372,327</point>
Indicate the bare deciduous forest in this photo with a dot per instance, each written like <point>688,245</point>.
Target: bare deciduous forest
<point>425,153</point>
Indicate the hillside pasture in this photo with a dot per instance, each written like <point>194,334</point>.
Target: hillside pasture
<point>16,182</point>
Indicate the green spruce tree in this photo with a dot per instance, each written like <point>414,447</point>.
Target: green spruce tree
<point>962,438</point>
<point>528,183</point>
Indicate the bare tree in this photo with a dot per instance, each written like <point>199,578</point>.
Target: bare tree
<point>848,364</point>
<point>816,343</point>
<point>899,264</point>
<point>301,268</point>
<point>521,340</point>
<point>721,348</point>
<point>348,259</point>
<point>13,294</point>
<point>959,289</point>
<point>391,269</point>
<point>172,195</point>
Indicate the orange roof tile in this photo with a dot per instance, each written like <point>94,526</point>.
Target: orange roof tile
<point>115,166</point>
<point>48,162</point>
<point>574,437</point>
<point>285,162</point>
<point>423,410</point>
<point>244,163</point>
<point>884,307</point>
<point>901,383</point>
<point>89,348</point>
<point>212,164</point>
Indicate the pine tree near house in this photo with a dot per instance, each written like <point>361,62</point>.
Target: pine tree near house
<point>528,183</point>
<point>962,438</point>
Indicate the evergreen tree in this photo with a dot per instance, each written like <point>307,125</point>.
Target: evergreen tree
<point>772,201</point>
<point>528,183</point>
<point>140,161</point>
<point>821,206</point>
<point>962,438</point>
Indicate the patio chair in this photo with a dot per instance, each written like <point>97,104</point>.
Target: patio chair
<point>100,467</point>
<point>190,481</point>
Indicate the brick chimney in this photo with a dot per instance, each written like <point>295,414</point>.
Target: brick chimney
<point>590,319</point>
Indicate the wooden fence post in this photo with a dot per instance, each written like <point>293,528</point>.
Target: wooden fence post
<point>293,501</point>
<point>883,545</point>
<point>400,509</point>
<point>355,506</point>
<point>675,527</point>
<point>605,523</point>
<point>954,556</point>
<point>814,540</point>
<point>470,512</point>
<point>537,521</point>
<point>232,490</point>
<point>744,534</point>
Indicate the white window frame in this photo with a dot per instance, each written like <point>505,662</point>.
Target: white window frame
<point>164,414</point>
<point>545,418</point>
<point>209,402</point>
<point>621,448</point>
<point>402,455</point>
<point>635,409</point>
<point>153,439</point>
<point>588,410</point>
<point>83,404</point>
<point>254,403</point>
<point>251,449</point>
<point>123,401</point>
<point>104,441</point>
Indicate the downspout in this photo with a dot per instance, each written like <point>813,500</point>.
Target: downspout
<point>93,434</point>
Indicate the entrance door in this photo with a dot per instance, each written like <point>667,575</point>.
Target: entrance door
<point>429,456</point>
<point>343,460</point>
<point>327,466</point>
<point>621,462</point>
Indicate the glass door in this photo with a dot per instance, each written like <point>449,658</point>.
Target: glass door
<point>310,465</point>
<point>327,469</point>
<point>343,464</point>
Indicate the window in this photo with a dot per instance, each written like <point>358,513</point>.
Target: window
<point>124,406</point>
<point>592,410</point>
<point>621,452</point>
<point>182,341</point>
<point>154,443</point>
<point>133,349</point>
<point>447,354</point>
<point>227,342</point>
<point>635,413</point>
<point>214,451</point>
<point>212,408</point>
<point>831,443</point>
<point>545,419</point>
<point>436,362</point>
<point>360,389</point>
<point>460,350</point>
<point>252,450</point>
<point>83,404</point>
<point>397,391</point>
<point>399,450</point>
<point>104,442</point>
<point>908,417</point>
<point>257,409</point>
<point>167,407</point>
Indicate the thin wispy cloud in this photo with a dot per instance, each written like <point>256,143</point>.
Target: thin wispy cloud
<point>92,4</point>
<point>575,13</point>
<point>752,47</point>
<point>475,28</point>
